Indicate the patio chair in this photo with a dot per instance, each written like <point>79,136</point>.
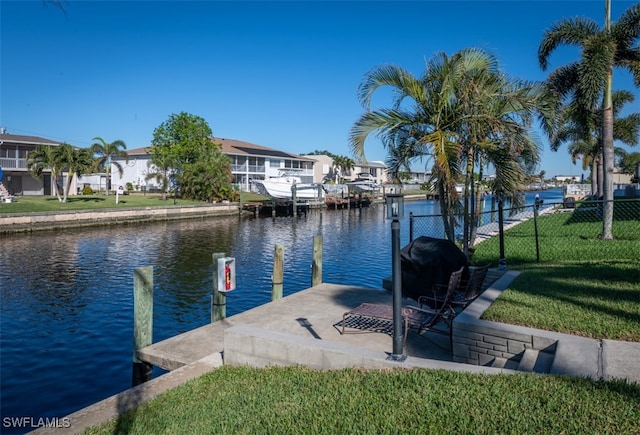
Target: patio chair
<point>377,317</point>
<point>466,292</point>
<point>425,319</point>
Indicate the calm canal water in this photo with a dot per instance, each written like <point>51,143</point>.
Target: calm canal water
<point>67,296</point>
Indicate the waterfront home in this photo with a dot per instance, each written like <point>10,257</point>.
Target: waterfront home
<point>248,162</point>
<point>16,178</point>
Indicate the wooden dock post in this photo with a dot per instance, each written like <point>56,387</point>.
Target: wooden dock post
<point>294,199</point>
<point>218,299</point>
<point>321,202</point>
<point>278,273</point>
<point>142,321</point>
<point>316,266</point>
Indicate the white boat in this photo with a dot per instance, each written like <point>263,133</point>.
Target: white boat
<point>364,182</point>
<point>281,187</point>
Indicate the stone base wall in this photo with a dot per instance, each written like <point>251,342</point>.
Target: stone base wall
<point>478,341</point>
<point>246,345</point>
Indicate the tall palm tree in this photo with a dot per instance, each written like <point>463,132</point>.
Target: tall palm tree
<point>461,108</point>
<point>591,160</point>
<point>77,161</point>
<point>105,152</point>
<point>162,170</point>
<point>583,131</point>
<point>43,158</point>
<point>344,165</point>
<point>588,81</point>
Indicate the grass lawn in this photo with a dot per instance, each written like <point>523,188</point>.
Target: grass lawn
<point>295,400</point>
<point>38,204</point>
<point>582,285</point>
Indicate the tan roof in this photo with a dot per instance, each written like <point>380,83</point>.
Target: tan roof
<point>139,151</point>
<point>237,147</point>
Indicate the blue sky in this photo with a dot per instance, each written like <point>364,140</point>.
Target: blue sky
<point>279,74</point>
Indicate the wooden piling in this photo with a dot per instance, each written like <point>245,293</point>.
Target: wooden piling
<point>316,266</point>
<point>294,199</point>
<point>142,321</point>
<point>218,299</point>
<point>278,273</point>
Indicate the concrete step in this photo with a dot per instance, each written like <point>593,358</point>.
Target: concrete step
<point>504,363</point>
<point>536,361</point>
<point>499,362</point>
<point>528,360</point>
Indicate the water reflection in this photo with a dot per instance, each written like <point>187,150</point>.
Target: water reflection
<point>67,295</point>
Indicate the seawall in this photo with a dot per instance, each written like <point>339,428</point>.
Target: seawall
<point>28,222</point>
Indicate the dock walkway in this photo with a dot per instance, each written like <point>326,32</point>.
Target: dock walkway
<point>304,329</point>
<point>492,229</point>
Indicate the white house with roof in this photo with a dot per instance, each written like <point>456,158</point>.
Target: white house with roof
<point>255,162</point>
<point>248,162</point>
<point>376,169</point>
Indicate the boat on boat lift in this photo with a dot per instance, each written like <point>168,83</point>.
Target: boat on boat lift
<point>281,187</point>
<point>363,183</point>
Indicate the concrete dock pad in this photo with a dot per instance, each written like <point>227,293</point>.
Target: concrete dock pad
<point>307,324</point>
<point>315,312</point>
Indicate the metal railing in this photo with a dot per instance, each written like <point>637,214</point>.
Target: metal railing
<point>10,163</point>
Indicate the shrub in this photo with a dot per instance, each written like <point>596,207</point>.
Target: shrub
<point>87,190</point>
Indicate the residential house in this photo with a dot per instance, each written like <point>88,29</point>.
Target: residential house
<point>255,162</point>
<point>377,170</point>
<point>248,162</point>
<point>323,169</point>
<point>16,178</point>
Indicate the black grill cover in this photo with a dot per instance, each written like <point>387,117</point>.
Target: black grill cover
<point>427,261</point>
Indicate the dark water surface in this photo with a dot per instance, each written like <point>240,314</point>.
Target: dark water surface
<point>66,319</point>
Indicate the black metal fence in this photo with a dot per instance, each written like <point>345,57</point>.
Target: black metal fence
<point>526,228</point>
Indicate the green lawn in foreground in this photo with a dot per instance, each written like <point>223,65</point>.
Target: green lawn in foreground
<point>582,285</point>
<point>297,400</point>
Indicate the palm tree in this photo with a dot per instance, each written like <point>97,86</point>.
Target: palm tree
<point>591,160</point>
<point>344,165</point>
<point>57,159</point>
<point>162,170</point>
<point>588,81</point>
<point>582,129</point>
<point>42,158</point>
<point>460,110</point>
<point>77,162</point>
<point>105,152</point>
